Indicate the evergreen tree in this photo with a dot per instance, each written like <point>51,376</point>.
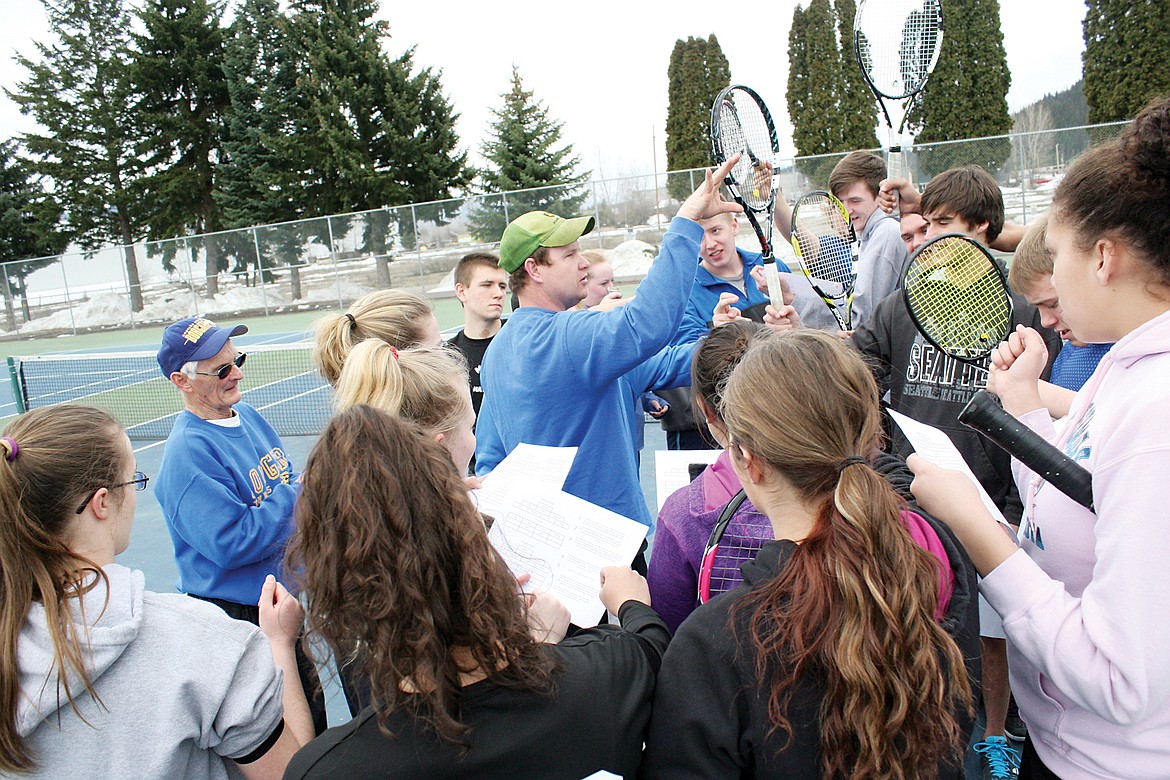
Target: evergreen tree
<point>813,103</point>
<point>29,222</point>
<point>1127,47</point>
<point>697,73</point>
<point>523,153</point>
<point>250,165</point>
<point>359,130</point>
<point>79,93</point>
<point>178,74</point>
<point>855,103</point>
<point>966,97</point>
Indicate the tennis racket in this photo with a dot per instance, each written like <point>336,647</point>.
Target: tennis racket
<point>984,414</point>
<point>958,297</point>
<point>734,541</point>
<point>897,43</point>
<point>826,250</point>
<point>741,124</point>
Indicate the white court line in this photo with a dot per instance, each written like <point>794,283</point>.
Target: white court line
<point>279,338</point>
<point>149,446</point>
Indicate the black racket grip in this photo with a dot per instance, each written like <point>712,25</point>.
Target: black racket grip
<point>984,414</point>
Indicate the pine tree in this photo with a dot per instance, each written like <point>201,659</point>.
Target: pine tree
<point>29,221</point>
<point>855,102</point>
<point>698,71</point>
<point>253,124</point>
<point>524,153</point>
<point>79,92</point>
<point>966,97</point>
<point>813,63</point>
<point>178,74</point>
<point>1127,47</point>
<point>342,128</point>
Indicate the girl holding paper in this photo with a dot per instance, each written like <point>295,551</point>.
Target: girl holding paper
<point>398,568</point>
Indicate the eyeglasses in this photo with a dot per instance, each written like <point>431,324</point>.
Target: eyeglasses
<point>223,371</point>
<point>139,483</point>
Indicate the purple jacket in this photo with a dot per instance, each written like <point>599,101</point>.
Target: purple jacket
<point>684,524</point>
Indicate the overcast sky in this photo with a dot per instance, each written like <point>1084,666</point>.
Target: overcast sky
<point>602,70</point>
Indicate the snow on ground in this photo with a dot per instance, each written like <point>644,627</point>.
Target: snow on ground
<point>112,309</point>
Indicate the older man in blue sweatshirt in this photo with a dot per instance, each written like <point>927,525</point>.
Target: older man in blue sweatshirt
<point>552,376</point>
<point>225,485</point>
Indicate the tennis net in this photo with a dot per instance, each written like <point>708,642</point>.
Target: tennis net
<point>279,380</point>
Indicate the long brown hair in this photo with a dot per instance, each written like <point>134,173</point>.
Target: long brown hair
<point>52,458</point>
<point>855,605</point>
<point>396,564</point>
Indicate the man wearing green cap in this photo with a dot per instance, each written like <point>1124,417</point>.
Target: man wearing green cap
<point>552,376</point>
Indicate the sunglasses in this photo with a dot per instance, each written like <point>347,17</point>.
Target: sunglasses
<point>223,371</point>
<point>139,483</point>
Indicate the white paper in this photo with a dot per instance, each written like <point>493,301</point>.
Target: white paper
<point>671,469</point>
<point>937,447</point>
<point>535,464</point>
<point>561,540</point>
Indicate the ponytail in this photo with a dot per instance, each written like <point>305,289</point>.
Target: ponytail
<point>397,317</point>
<point>52,458</point>
<point>856,603</point>
<point>426,386</point>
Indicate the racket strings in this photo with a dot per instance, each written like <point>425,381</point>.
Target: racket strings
<point>743,538</point>
<point>824,240</point>
<point>958,298</point>
<point>744,131</point>
<point>898,43</point>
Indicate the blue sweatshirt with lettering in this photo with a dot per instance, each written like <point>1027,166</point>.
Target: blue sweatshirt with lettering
<point>227,495</point>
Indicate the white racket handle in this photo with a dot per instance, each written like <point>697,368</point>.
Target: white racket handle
<point>772,277</point>
<point>895,165</point>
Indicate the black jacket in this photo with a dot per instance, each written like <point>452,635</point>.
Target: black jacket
<point>710,716</point>
<point>595,719</point>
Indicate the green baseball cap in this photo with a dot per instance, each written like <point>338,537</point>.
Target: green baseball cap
<point>535,229</point>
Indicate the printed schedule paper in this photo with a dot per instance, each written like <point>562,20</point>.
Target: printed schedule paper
<point>561,540</point>
<point>672,469</point>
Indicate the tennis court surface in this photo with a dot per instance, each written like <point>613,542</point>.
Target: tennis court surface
<point>279,380</point>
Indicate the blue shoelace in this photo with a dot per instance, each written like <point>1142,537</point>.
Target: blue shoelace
<point>1002,759</point>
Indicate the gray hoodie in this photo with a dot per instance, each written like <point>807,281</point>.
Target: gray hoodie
<point>182,688</point>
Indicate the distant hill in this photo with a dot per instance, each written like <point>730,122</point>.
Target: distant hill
<point>1067,107</point>
<point>1046,153</point>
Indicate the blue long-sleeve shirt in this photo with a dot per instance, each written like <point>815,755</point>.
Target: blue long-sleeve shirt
<point>552,378</point>
<point>227,496</point>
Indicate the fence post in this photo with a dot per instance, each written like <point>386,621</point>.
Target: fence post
<point>333,254</point>
<point>68,300</point>
<point>260,271</point>
<point>17,388</point>
<point>417,246</point>
<point>597,214</point>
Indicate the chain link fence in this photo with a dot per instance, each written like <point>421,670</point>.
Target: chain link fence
<point>327,262</point>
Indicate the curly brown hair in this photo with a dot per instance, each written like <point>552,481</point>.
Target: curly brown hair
<point>399,572</point>
<point>856,604</point>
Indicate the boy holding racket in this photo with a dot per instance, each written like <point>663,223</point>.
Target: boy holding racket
<point>931,387</point>
<point>855,181</point>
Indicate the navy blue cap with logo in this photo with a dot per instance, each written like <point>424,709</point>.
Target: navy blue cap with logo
<point>195,338</point>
